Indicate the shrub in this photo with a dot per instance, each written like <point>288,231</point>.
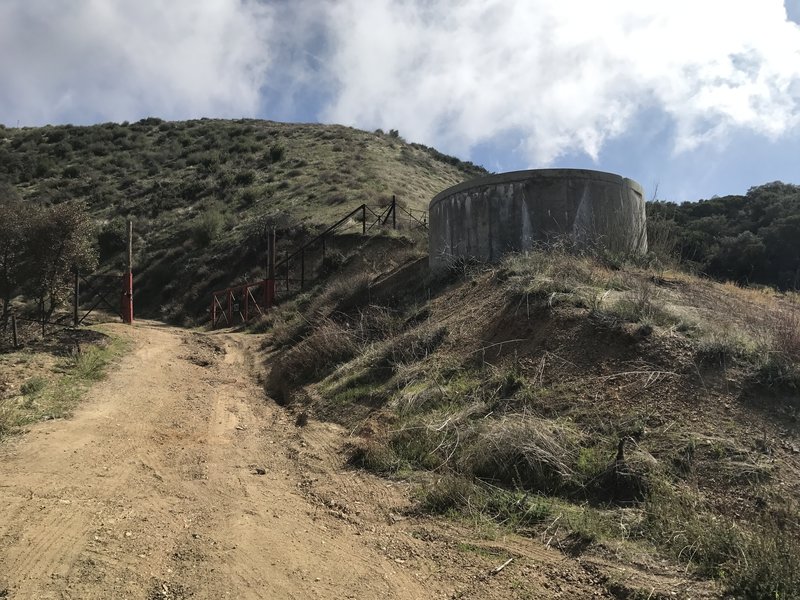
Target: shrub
<point>208,226</point>
<point>33,386</point>
<point>641,304</point>
<point>680,524</point>
<point>552,276</point>
<point>71,172</point>
<point>245,178</point>
<point>531,453</point>
<point>333,261</point>
<point>410,347</point>
<point>276,153</point>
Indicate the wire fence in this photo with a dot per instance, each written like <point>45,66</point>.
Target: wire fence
<point>95,299</point>
<point>300,267</point>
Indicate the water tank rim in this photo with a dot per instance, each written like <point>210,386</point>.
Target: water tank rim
<point>533,174</point>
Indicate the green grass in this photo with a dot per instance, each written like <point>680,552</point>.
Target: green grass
<point>56,395</point>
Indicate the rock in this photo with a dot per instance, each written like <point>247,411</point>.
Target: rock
<point>260,471</point>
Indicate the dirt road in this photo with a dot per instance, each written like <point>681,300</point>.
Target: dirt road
<point>177,479</point>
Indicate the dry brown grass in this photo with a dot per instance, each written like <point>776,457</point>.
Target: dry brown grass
<point>329,345</point>
<point>524,451</point>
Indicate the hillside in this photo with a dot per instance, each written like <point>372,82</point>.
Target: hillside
<point>616,430</point>
<point>643,421</point>
<point>200,191</point>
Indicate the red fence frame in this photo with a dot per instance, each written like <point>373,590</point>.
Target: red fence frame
<point>240,303</point>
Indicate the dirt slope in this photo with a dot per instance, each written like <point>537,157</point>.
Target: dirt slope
<point>178,480</point>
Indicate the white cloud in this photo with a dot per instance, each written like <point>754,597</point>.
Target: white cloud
<point>90,60</point>
<point>548,77</point>
<point>563,75</point>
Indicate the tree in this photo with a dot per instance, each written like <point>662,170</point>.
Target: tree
<point>14,226</point>
<point>63,239</point>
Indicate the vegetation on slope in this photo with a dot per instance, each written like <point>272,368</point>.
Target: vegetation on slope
<point>199,192</point>
<point>652,415</point>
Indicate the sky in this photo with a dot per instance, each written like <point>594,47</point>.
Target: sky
<point>691,98</point>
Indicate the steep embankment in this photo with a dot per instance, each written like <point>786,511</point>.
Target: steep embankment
<point>645,421</point>
<point>199,192</point>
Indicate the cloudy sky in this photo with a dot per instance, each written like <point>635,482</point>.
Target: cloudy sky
<point>696,97</point>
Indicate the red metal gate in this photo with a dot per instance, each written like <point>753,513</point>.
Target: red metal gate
<point>241,303</point>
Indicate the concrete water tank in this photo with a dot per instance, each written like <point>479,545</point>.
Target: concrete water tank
<point>510,212</point>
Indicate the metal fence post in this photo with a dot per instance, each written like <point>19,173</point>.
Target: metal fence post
<point>363,219</point>
<point>127,292</point>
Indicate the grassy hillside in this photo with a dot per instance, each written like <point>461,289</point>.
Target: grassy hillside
<point>646,421</point>
<point>199,191</point>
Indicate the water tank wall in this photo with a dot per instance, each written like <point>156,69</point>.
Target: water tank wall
<point>487,217</point>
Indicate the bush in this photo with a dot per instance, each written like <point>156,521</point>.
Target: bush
<point>333,261</point>
<point>276,153</point>
<point>112,238</point>
<point>375,457</point>
<point>71,172</point>
<point>409,348</point>
<point>551,276</point>
<point>530,453</point>
<point>33,386</point>
<point>243,178</point>
<point>681,525</point>
<point>208,226</point>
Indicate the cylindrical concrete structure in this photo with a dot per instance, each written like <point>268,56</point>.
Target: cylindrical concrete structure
<point>487,217</point>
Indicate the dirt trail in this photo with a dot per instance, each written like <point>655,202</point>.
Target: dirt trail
<point>152,491</point>
<point>177,479</point>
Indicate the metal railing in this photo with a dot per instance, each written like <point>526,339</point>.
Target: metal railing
<point>242,302</point>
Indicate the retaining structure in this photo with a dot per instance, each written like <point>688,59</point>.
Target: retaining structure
<point>510,212</point>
